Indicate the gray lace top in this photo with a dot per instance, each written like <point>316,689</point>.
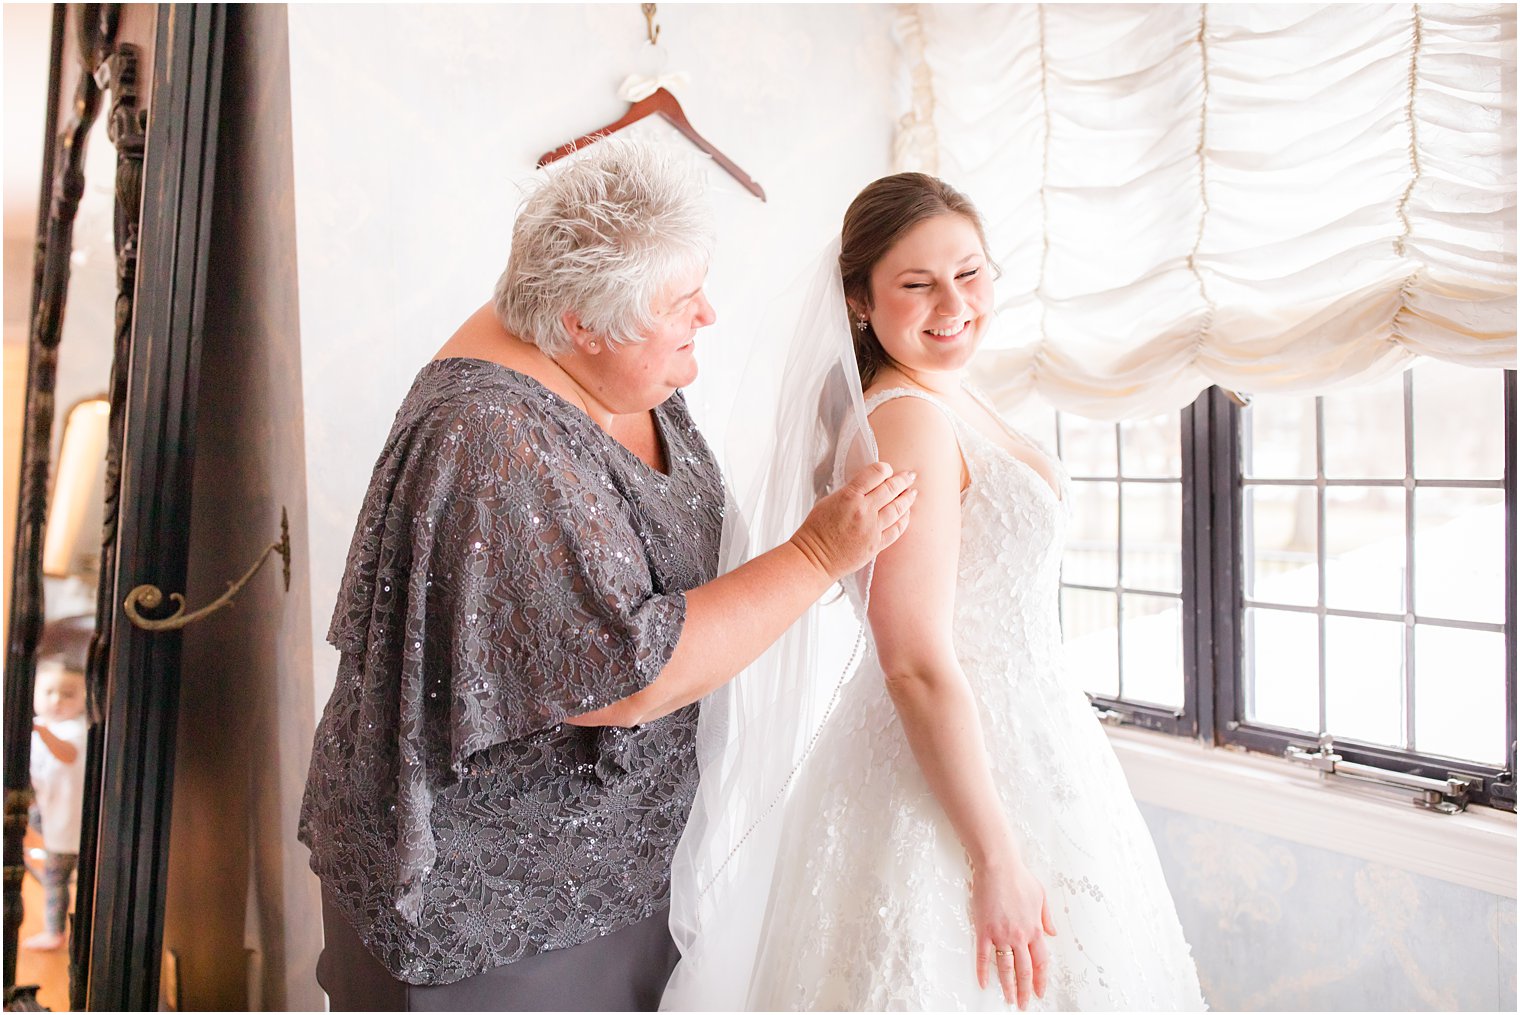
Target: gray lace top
<point>512,565</point>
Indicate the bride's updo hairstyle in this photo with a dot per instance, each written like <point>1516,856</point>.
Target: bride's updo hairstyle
<point>877,219</point>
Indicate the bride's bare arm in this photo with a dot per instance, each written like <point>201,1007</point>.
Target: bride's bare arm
<point>912,600</point>
<point>912,604</point>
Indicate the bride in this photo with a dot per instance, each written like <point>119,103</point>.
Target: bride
<point>904,822</point>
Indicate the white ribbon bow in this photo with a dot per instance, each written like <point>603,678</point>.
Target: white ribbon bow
<point>637,87</point>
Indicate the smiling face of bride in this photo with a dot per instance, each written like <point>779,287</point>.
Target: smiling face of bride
<point>931,296</point>
<point>916,275</point>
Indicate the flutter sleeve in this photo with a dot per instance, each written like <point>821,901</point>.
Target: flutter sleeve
<point>545,606</point>
<point>528,598</point>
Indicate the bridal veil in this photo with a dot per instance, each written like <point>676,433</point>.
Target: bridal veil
<point>757,731</point>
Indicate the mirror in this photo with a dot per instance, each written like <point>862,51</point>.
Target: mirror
<point>70,549</point>
<point>57,454</point>
<point>70,568</point>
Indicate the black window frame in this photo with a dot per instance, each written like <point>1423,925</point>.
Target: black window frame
<point>1176,721</point>
<point>1214,603</point>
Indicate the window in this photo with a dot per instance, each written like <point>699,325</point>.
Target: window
<point>1122,576</point>
<point>1360,547</point>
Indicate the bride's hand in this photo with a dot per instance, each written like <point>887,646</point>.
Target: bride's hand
<point>856,522</point>
<point>1011,915</point>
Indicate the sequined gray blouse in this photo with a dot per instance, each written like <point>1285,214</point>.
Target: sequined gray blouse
<point>513,565</point>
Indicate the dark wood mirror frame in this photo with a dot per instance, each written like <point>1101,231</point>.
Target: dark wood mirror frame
<point>164,176</point>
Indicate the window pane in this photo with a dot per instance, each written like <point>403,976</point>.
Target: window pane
<point>1364,680</point>
<point>1153,536</point>
<point>1459,693</point>
<point>1456,416</point>
<point>1153,446</point>
<point>1391,545</point>
<point>1364,547</point>
<point>1281,535</point>
<point>1459,554</point>
<point>1088,448</point>
<point>1282,669</point>
<point>1092,548</point>
<point>1364,431</point>
<point>1278,437</point>
<point>1090,625</point>
<point>1152,650</point>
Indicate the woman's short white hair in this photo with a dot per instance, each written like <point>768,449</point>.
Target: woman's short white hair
<point>602,238</point>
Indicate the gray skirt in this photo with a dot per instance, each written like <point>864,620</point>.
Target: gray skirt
<point>622,971</point>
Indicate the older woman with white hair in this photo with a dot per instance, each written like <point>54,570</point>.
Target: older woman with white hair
<point>530,610</point>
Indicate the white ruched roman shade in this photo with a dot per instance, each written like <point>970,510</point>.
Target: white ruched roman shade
<point>1266,197</point>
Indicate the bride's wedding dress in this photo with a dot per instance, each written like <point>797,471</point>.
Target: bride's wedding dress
<point>869,906</point>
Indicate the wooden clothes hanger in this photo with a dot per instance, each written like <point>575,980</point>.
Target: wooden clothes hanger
<point>663,103</point>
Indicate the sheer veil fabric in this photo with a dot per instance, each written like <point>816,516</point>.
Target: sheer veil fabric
<point>756,732</point>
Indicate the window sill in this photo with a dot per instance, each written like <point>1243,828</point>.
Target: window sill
<point>1475,848</point>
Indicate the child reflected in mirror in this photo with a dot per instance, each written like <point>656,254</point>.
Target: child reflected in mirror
<point>59,728</point>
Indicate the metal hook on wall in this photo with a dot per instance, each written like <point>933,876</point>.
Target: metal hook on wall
<point>150,597</point>
<point>650,28</point>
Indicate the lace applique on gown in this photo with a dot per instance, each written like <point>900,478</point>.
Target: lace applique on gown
<point>870,906</point>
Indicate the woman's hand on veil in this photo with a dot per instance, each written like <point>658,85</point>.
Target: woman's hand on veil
<point>850,526</point>
<point>1011,914</point>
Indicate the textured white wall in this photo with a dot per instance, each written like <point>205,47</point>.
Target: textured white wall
<point>414,128</point>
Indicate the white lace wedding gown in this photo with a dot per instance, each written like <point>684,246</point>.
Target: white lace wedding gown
<point>869,909</point>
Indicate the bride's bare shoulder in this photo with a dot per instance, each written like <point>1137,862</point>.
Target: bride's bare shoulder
<point>915,433</point>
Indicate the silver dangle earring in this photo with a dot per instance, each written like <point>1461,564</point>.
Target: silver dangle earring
<point>862,324</point>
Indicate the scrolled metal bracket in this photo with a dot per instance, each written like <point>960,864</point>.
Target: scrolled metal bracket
<point>150,597</point>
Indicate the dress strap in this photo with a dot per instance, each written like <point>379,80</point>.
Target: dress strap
<point>992,410</point>
<point>887,394</point>
<point>983,400</point>
<point>1062,480</point>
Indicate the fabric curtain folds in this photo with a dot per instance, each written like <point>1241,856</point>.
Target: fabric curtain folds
<point>1264,197</point>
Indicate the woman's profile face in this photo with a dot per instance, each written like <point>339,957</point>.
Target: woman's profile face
<point>649,371</point>
<point>932,294</point>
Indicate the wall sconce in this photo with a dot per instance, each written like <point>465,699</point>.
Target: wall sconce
<point>78,494</point>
